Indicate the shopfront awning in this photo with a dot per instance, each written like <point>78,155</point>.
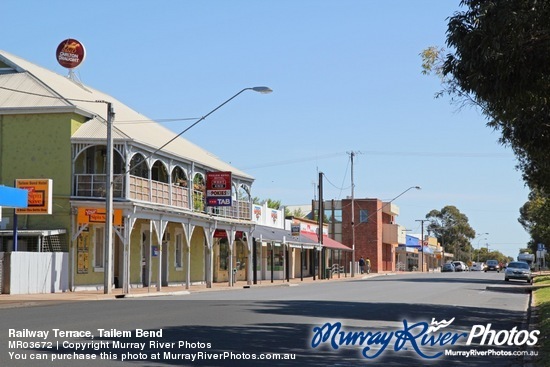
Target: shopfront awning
<point>327,242</point>
<point>272,234</point>
<point>12,197</point>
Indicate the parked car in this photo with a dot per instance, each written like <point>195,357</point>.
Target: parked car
<point>492,265</point>
<point>519,270</point>
<point>448,267</point>
<point>460,266</point>
<point>478,266</point>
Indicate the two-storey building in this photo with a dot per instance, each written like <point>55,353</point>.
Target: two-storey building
<point>54,127</point>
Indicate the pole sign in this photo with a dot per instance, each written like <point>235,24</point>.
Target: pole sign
<point>70,53</point>
<point>218,189</point>
<point>39,196</point>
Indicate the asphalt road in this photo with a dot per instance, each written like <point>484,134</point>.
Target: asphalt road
<point>390,312</point>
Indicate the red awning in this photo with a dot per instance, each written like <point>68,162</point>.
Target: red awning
<point>327,241</point>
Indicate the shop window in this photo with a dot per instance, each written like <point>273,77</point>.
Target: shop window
<point>179,251</point>
<point>278,258</point>
<point>224,254</point>
<point>99,248</point>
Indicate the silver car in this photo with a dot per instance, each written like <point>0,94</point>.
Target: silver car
<point>518,270</point>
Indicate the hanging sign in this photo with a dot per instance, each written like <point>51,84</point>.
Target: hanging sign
<point>97,215</point>
<point>218,189</point>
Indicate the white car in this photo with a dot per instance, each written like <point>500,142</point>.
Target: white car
<point>460,266</point>
<point>478,266</point>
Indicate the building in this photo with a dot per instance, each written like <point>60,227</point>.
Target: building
<point>54,128</point>
<point>287,248</point>
<point>376,232</point>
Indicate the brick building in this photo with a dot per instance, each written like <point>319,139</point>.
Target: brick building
<point>376,233</point>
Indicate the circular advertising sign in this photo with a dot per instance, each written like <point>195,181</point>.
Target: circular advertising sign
<point>70,53</point>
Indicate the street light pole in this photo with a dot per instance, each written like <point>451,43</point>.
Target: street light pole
<point>108,245</point>
<point>478,241</point>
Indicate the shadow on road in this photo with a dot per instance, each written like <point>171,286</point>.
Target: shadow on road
<point>294,335</point>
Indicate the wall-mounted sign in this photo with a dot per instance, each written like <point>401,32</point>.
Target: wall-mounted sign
<point>218,189</point>
<point>70,53</point>
<point>97,215</point>
<point>39,196</point>
<point>295,229</point>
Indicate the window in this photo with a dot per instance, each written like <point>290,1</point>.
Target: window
<point>179,251</point>
<point>99,248</point>
<point>224,254</point>
<point>278,257</point>
<point>363,216</point>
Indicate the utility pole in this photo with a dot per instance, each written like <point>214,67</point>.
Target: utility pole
<point>422,244</point>
<point>352,154</point>
<point>320,235</point>
<point>108,245</point>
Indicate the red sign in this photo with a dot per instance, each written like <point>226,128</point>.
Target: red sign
<point>70,53</point>
<point>218,189</point>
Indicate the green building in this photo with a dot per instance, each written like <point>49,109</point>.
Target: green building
<point>54,128</point>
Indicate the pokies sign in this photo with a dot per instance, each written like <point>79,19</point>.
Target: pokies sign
<point>218,189</point>
<point>70,53</point>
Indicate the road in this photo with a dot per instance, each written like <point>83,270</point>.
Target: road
<point>255,323</point>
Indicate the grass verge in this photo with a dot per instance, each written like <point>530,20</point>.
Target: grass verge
<point>542,303</point>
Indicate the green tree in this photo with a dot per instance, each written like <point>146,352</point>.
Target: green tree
<point>453,231</point>
<point>499,60</point>
<point>273,204</point>
<point>535,218</point>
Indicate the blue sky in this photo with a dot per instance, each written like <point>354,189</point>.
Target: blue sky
<point>345,75</point>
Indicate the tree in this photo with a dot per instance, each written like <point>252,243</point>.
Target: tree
<point>453,231</point>
<point>535,218</point>
<point>500,61</point>
<point>273,204</point>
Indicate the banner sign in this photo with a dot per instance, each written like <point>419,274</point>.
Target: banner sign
<point>218,189</point>
<point>97,215</point>
<point>39,196</point>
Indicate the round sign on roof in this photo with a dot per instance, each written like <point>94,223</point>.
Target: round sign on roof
<point>70,53</point>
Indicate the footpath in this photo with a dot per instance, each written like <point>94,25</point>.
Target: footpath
<point>27,300</point>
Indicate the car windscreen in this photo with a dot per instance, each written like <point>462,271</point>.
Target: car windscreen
<point>519,265</point>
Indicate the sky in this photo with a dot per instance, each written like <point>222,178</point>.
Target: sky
<point>346,77</point>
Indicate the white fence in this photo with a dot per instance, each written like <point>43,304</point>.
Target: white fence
<point>35,272</point>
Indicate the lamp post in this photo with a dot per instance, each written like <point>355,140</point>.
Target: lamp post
<point>108,274</point>
<point>478,241</point>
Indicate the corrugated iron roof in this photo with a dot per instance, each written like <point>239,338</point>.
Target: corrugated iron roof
<point>40,87</point>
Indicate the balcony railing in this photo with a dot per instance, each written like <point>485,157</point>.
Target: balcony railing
<point>93,185</point>
<point>143,189</point>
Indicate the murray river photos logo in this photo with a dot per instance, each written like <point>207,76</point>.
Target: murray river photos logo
<point>428,340</point>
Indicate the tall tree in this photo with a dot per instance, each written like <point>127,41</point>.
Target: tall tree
<point>453,231</point>
<point>499,59</point>
<point>534,217</point>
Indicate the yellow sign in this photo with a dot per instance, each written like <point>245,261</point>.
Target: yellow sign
<point>40,196</point>
<point>97,215</point>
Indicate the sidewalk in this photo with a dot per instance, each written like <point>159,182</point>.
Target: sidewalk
<point>26,300</point>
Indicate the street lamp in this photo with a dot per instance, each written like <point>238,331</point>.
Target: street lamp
<point>108,273</point>
<point>478,241</point>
